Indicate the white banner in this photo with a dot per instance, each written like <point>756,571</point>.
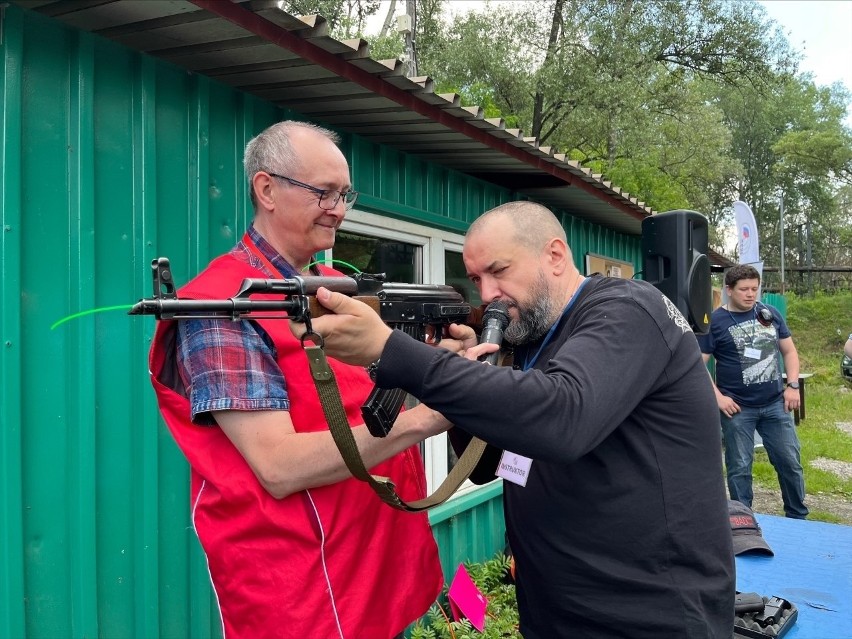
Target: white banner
<point>747,239</point>
<point>749,252</point>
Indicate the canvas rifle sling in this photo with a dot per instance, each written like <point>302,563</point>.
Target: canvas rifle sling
<point>335,415</point>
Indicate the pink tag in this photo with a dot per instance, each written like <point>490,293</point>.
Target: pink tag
<point>466,600</point>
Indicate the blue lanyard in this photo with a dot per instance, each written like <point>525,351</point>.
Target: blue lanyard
<point>528,364</point>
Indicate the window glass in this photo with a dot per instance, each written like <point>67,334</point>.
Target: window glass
<point>406,252</point>
<point>396,259</point>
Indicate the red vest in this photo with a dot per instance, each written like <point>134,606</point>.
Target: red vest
<point>328,562</point>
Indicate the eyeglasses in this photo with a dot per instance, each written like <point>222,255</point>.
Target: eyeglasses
<point>327,199</point>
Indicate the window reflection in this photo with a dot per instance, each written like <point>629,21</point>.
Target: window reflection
<point>402,261</point>
<point>399,261</point>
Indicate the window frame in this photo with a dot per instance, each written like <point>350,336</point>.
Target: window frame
<point>431,243</point>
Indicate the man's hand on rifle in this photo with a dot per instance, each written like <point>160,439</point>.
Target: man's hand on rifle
<point>354,333</point>
<point>462,337</point>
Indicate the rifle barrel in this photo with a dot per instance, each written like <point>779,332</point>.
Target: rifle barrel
<point>234,308</point>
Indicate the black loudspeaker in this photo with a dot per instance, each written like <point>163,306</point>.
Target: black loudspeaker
<point>674,250</point>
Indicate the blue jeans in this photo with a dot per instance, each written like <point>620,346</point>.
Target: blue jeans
<point>778,432</point>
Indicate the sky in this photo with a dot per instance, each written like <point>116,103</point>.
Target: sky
<point>821,29</point>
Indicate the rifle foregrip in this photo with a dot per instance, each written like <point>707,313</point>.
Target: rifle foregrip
<point>317,309</point>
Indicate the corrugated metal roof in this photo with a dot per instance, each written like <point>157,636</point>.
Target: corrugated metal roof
<point>258,48</point>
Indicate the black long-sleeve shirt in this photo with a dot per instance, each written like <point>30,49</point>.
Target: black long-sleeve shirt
<point>622,528</point>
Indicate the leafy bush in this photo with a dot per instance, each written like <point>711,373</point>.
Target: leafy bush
<point>501,615</point>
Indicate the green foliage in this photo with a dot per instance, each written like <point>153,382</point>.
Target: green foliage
<point>388,47</point>
<point>684,105</point>
<point>690,104</point>
<point>501,620</point>
<point>789,137</point>
<point>481,95</point>
<point>346,18</point>
<point>820,325</point>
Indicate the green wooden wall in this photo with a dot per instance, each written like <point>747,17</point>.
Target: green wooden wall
<point>109,159</point>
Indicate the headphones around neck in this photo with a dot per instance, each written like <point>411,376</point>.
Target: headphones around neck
<point>763,315</point>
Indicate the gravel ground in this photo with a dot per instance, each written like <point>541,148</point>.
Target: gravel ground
<point>768,501</point>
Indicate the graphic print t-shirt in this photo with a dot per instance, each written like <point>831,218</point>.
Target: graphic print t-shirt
<point>748,365</point>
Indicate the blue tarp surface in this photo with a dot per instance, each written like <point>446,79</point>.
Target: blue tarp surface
<point>812,568</point>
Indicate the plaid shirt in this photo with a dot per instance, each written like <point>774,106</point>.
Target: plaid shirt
<point>228,365</point>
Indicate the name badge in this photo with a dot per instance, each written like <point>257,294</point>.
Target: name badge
<point>752,353</point>
<point>514,468</point>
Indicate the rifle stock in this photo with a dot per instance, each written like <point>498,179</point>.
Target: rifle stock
<point>412,308</point>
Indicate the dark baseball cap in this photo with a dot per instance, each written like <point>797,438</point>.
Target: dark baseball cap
<point>746,531</point>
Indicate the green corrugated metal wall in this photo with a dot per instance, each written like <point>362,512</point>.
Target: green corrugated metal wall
<point>469,527</point>
<point>110,159</point>
<point>778,301</point>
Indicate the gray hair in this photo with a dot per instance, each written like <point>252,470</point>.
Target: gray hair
<point>271,150</point>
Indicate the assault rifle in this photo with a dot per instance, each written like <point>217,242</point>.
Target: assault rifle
<point>412,308</point>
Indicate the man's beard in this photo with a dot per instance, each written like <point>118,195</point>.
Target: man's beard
<point>535,318</point>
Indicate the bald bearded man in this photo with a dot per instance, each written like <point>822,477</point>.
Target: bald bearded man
<point>604,430</point>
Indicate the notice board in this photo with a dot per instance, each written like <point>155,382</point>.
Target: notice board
<point>608,266</point>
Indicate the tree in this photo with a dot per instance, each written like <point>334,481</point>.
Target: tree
<point>790,139</point>
<point>822,146</point>
<point>689,104</point>
<point>346,18</point>
<point>617,85</point>
<point>389,44</point>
